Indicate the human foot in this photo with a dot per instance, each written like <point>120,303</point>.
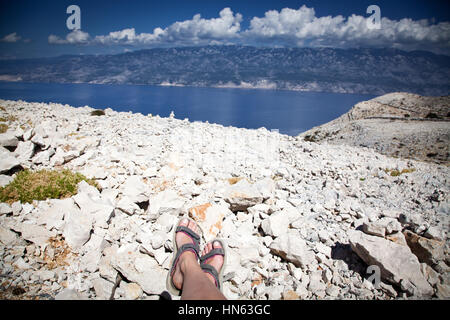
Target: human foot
<point>213,255</point>
<point>187,257</point>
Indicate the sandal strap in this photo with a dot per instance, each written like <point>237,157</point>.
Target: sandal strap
<point>212,271</point>
<point>212,253</point>
<point>185,247</point>
<point>194,236</point>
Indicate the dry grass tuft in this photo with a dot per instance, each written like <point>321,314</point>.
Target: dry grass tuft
<point>41,185</point>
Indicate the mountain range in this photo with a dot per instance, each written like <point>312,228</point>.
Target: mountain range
<point>368,71</point>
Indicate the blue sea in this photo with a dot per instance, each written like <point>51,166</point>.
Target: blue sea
<point>290,112</point>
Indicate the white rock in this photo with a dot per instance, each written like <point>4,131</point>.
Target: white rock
<point>8,139</point>
<point>135,189</point>
<point>92,204</point>
<point>326,250</point>
<point>242,195</point>
<point>316,284</point>
<point>374,228</point>
<point>209,218</point>
<point>5,180</point>
<point>140,268</point>
<point>38,140</point>
<point>8,160</point>
<point>396,262</point>
<point>16,207</point>
<point>5,208</point>
<point>7,237</point>
<point>158,238</point>
<point>43,157</point>
<point>259,208</point>
<point>36,234</point>
<point>70,294</point>
<point>293,248</point>
<point>53,217</point>
<point>132,290</point>
<point>127,205</point>
<point>45,275</point>
<point>21,264</point>
<point>28,134</point>
<point>77,228</point>
<point>166,201</point>
<point>24,150</point>
<point>150,172</point>
<point>103,288</point>
<point>276,224</point>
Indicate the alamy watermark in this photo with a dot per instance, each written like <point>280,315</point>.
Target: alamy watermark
<point>375,275</point>
<point>73,22</point>
<point>374,21</point>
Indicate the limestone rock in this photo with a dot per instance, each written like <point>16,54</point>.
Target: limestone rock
<point>70,294</point>
<point>140,268</point>
<point>53,217</point>
<point>7,237</point>
<point>77,228</point>
<point>8,160</point>
<point>427,250</point>
<point>24,150</point>
<point>396,262</point>
<point>43,157</point>
<point>242,195</point>
<point>209,218</point>
<point>5,180</point>
<point>36,234</point>
<point>132,290</point>
<point>8,139</point>
<point>93,205</point>
<point>374,229</point>
<point>164,201</point>
<point>127,205</point>
<point>5,208</point>
<point>291,247</point>
<point>276,224</point>
<point>135,189</point>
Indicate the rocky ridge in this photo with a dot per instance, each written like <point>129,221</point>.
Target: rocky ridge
<point>398,124</point>
<point>302,220</point>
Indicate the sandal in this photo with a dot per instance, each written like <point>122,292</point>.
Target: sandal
<point>218,276</point>
<point>193,247</point>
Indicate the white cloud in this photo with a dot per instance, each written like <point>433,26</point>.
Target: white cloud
<point>288,27</point>
<point>12,37</point>
<point>194,31</point>
<point>302,27</point>
<point>74,37</point>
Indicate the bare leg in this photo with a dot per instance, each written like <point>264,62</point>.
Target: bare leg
<point>196,284</point>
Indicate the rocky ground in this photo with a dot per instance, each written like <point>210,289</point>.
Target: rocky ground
<point>401,125</point>
<point>302,220</point>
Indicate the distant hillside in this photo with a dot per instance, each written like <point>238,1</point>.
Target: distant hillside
<point>371,71</point>
<point>397,124</point>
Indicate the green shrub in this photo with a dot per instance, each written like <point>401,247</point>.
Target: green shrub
<point>396,173</point>
<point>98,113</point>
<point>41,185</point>
<point>3,128</point>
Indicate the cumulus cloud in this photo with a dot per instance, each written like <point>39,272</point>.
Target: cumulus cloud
<point>287,27</point>
<point>12,37</point>
<point>74,37</point>
<point>301,27</point>
<point>189,32</point>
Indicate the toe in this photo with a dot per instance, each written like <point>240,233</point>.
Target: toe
<point>184,222</point>
<point>217,245</point>
<point>193,226</point>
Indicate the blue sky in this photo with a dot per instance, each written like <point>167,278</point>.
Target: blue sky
<point>38,28</point>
